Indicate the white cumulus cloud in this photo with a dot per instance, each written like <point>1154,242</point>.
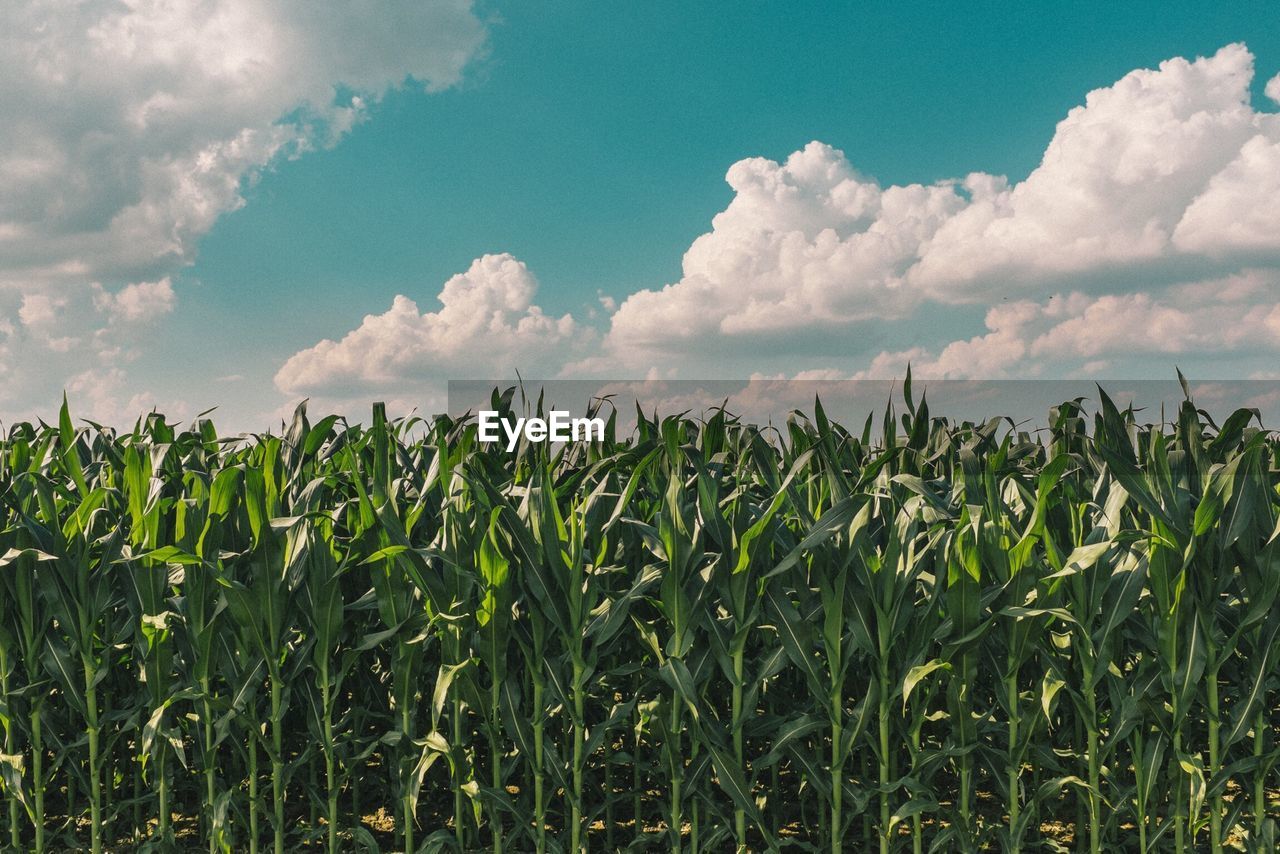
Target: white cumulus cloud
<point>1167,177</point>
<point>1114,184</point>
<point>487,325</point>
<point>804,242</point>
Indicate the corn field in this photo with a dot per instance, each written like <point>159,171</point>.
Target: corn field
<point>705,635</point>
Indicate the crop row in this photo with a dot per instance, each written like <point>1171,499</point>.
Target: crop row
<point>703,636</point>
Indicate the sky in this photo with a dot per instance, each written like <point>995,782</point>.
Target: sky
<point>243,204</point>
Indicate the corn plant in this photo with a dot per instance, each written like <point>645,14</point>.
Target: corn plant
<point>918,635</point>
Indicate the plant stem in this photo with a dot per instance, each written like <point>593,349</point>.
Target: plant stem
<point>884,745</point>
<point>1091,756</point>
<point>95,781</point>
<point>1015,801</point>
<point>539,795</point>
<point>964,707</point>
<point>837,775</point>
<point>206,716</point>
<point>277,762</point>
<point>162,777</point>
<point>636,804</point>
<point>356,820</point>
<point>1139,780</point>
<point>966,773</point>
<point>330,767</point>
<point>37,771</point>
<point>1215,817</point>
<point>159,759</point>
<point>917,826</point>
<point>406,723</point>
<point>1095,816</point>
<point>739,753</point>
<point>1259,791</point>
<point>608,795</point>
<point>1179,818</point>
<point>694,813</point>
<point>10,747</point>
<point>138,828</point>
<point>775,814</point>
<point>677,773</point>
<point>577,843</point>
<point>495,760</point>
<point>254,798</point>
<point>1179,815</point>
<point>459,815</point>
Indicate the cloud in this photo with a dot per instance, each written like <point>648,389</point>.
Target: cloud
<point>1239,210</point>
<point>130,127</point>
<point>1116,181</point>
<point>49,339</point>
<point>1079,334</point>
<point>803,242</point>
<point>1147,231</point>
<point>140,301</point>
<point>1168,176</point>
<point>38,310</point>
<point>105,396</point>
<point>487,325</point>
<point>1147,228</point>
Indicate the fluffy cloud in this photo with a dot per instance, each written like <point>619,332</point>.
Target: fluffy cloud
<point>804,242</point>
<point>49,339</point>
<point>487,324</point>
<point>1116,184</point>
<point>1239,210</point>
<point>106,396</point>
<point>136,302</point>
<point>1167,175</point>
<point>130,127</point>
<point>1147,230</point>
<point>1083,334</point>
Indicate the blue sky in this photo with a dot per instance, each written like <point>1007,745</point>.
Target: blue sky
<point>590,142</point>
